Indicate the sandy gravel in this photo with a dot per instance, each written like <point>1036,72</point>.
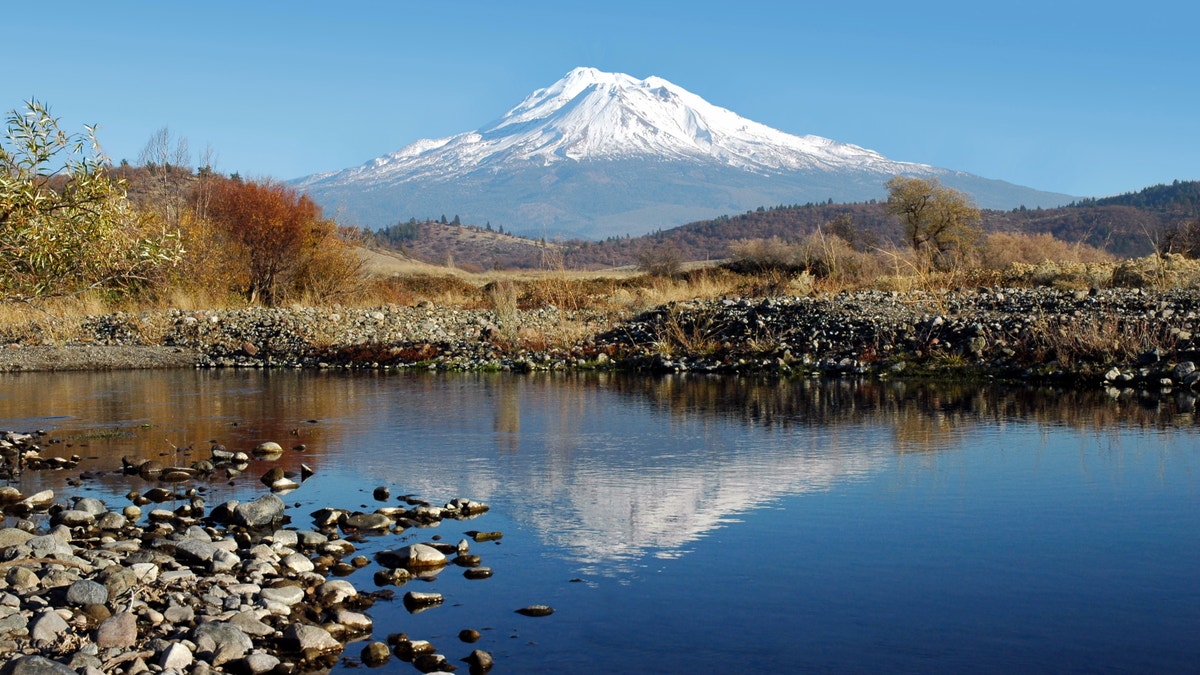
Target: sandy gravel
<point>94,357</point>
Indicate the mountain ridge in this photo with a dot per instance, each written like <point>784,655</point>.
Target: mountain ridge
<point>597,154</point>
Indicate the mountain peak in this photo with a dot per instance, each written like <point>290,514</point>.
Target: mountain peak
<point>592,133</point>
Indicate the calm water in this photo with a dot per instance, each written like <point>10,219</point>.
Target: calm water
<point>707,525</point>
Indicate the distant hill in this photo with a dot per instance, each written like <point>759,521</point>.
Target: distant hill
<point>1127,225</point>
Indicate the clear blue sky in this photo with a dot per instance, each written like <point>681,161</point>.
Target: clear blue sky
<point>1087,98</point>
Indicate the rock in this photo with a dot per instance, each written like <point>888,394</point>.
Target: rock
<point>296,563</point>
<point>48,628</point>
<point>11,536</point>
<point>376,654</point>
<point>286,595</point>
<point>310,539</point>
<point>301,637</point>
<point>112,522</point>
<point>268,448</point>
<point>480,661</point>
<point>179,614</point>
<point>355,622</point>
<point>176,657</point>
<point>249,623</point>
<point>22,579</point>
<point>194,551</point>
<point>260,512</point>
<point>35,665</point>
<point>87,592</point>
<point>73,518</point>
<point>273,474</point>
<point>429,663</point>
<point>478,573</point>
<point>414,599</point>
<point>486,536</point>
<point>392,577</point>
<point>257,664</point>
<point>416,556</point>
<point>366,521</point>
<point>536,610</point>
<point>335,591</point>
<point>469,635</point>
<point>1183,369</point>
<point>39,500</point>
<point>117,631</point>
<point>220,643</point>
<point>382,494</point>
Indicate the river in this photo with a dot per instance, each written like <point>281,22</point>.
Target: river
<point>712,524</point>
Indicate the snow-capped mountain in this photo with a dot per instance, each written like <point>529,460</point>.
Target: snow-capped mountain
<point>598,153</point>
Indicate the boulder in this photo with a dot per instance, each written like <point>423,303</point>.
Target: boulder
<point>260,512</point>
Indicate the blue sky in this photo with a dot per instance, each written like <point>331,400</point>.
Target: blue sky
<point>1086,98</point>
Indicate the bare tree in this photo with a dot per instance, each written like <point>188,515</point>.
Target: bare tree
<point>167,160</point>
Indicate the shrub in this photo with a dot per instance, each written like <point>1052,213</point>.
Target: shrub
<point>65,225</point>
<point>1001,249</point>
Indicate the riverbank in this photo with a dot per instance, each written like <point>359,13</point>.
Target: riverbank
<point>1118,336</point>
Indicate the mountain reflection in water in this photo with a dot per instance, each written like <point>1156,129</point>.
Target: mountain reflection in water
<point>603,467</point>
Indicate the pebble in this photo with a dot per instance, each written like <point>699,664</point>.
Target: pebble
<point>177,594</point>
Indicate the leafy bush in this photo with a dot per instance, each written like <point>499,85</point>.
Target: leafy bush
<point>65,225</point>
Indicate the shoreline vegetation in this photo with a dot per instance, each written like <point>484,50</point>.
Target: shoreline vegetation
<point>696,321</point>
<point>157,265</point>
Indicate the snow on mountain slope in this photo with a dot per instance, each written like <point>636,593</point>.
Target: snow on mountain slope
<point>593,115</point>
<point>598,154</point>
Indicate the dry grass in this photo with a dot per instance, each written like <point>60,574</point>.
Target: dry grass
<point>1073,344</point>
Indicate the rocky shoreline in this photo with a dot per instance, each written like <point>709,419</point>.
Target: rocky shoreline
<point>169,584</point>
<point>1115,336</point>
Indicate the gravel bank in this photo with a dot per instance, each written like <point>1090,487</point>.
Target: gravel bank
<point>1115,335</point>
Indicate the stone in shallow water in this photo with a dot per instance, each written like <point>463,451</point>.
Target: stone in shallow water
<point>536,610</point>
<point>415,556</point>
<point>480,661</point>
<point>376,654</point>
<point>366,521</point>
<point>268,448</point>
<point>260,512</point>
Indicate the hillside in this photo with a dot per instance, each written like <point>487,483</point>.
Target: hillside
<point>1126,225</point>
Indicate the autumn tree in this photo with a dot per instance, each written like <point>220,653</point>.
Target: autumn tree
<point>939,222</point>
<point>65,225</point>
<point>288,247</point>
